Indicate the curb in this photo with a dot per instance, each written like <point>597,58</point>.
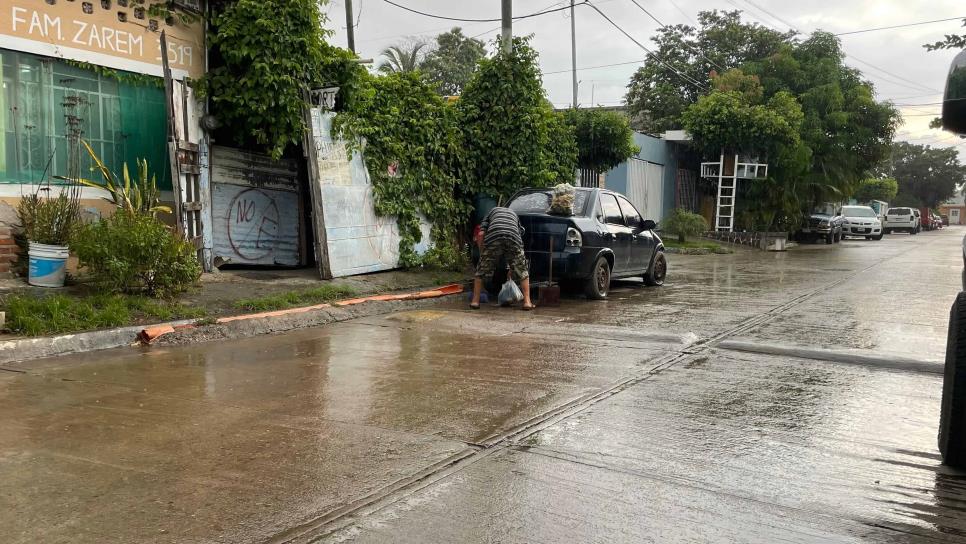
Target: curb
<point>22,349</point>
<point>846,356</point>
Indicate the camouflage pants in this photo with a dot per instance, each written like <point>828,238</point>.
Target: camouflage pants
<point>509,250</point>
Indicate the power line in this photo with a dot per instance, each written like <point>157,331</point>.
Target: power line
<point>777,18</point>
<point>898,26</point>
<point>663,26</point>
<point>686,16</point>
<point>567,71</point>
<point>884,71</point>
<point>464,20</point>
<point>642,46</point>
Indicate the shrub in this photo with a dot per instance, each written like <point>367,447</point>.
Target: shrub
<point>684,224</point>
<point>50,219</point>
<point>136,253</point>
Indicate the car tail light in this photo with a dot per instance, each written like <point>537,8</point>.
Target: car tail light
<point>574,239</point>
<point>912,218</point>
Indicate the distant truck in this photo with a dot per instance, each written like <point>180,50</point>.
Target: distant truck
<point>880,208</point>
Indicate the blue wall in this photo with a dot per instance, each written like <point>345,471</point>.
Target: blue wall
<point>653,150</point>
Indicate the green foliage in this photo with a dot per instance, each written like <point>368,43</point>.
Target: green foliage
<point>723,120</point>
<point>130,78</point>
<point>604,138</point>
<point>33,315</point>
<point>842,134</point>
<point>883,189</point>
<point>508,127</point>
<point>927,175</point>
<point>949,41</point>
<point>318,295</point>
<point>404,57</point>
<point>50,219</point>
<point>409,129</point>
<point>658,94</point>
<point>140,195</point>
<point>136,254</point>
<point>684,224</point>
<point>451,64</point>
<point>447,257</point>
<point>271,52</point>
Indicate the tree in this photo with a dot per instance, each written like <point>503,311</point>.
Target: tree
<point>883,189</point>
<point>949,41</point>
<point>684,59</point>
<point>265,54</point>
<point>403,57</point>
<point>684,224</point>
<point>451,64</point>
<point>511,135</point>
<point>927,175</point>
<point>604,138</point>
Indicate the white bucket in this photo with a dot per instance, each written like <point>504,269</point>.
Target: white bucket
<point>47,264</point>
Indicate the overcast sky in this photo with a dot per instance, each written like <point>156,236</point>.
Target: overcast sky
<point>894,60</point>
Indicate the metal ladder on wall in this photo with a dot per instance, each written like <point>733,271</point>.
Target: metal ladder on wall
<point>726,204</point>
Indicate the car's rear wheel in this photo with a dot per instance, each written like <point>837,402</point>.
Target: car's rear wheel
<point>952,416</point>
<point>598,283</point>
<point>914,231</point>
<point>657,271</point>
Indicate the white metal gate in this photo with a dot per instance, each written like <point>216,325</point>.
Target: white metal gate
<point>645,188</point>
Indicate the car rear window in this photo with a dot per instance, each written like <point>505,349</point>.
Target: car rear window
<point>539,202</point>
<point>899,211</point>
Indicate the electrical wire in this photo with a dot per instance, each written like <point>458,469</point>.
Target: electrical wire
<point>568,70</point>
<point>777,18</point>
<point>445,18</point>
<point>663,26</point>
<point>899,26</point>
<point>683,76</point>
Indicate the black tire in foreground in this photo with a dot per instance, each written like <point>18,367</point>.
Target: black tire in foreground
<point>657,271</point>
<point>598,283</point>
<point>952,417</point>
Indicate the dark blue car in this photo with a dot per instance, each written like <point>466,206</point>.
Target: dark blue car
<point>606,238</point>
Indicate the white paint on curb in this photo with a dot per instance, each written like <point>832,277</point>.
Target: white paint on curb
<point>848,356</point>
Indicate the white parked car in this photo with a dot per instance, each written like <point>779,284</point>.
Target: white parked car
<point>861,221</point>
<point>906,219</point>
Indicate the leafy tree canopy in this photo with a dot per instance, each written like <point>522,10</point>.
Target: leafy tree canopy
<point>661,90</point>
<point>508,127</point>
<point>949,41</point>
<point>927,175</point>
<point>451,64</point>
<point>883,189</point>
<point>842,132</point>
<point>604,138</point>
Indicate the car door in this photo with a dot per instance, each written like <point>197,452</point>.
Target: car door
<point>617,235</point>
<point>642,242</point>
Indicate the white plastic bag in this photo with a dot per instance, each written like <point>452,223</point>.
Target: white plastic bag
<point>510,293</point>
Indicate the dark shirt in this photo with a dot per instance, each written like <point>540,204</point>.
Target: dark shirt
<point>502,224</point>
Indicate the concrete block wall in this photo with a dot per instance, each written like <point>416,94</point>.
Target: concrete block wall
<point>8,248</point>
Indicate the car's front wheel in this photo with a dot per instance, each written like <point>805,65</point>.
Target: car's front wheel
<point>877,238</point>
<point>829,238</point>
<point>598,283</point>
<point>658,270</point>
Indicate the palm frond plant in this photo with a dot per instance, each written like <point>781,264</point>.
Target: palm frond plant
<point>402,58</point>
<point>138,195</point>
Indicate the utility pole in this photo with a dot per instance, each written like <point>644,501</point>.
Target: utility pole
<point>349,28</point>
<point>573,50</point>
<point>507,36</point>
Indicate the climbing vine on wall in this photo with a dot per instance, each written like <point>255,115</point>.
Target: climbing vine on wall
<point>412,151</point>
<point>268,53</point>
<point>130,78</point>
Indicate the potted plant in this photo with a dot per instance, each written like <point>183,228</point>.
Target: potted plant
<point>48,222</point>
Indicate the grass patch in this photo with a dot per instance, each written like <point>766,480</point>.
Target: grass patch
<point>59,313</point>
<point>693,244</point>
<point>291,299</point>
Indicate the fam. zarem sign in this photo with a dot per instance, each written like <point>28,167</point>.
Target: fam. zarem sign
<point>113,33</point>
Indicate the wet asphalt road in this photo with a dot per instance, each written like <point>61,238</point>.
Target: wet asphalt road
<point>619,421</point>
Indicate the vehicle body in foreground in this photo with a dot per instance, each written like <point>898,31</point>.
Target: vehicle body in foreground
<point>606,238</point>
<point>903,219</point>
<point>825,222</point>
<point>861,221</point>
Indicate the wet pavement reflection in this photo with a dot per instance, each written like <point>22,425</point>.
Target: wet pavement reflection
<point>243,441</point>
